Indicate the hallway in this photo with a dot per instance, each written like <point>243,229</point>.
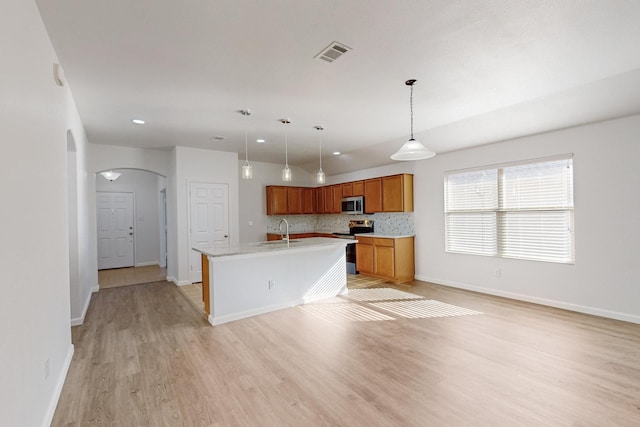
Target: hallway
<point>116,277</point>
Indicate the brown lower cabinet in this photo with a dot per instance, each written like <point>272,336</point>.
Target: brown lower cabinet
<point>386,258</point>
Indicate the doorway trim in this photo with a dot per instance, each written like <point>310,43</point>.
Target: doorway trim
<point>190,243</point>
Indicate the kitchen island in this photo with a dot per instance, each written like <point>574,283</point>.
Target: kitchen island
<point>257,278</point>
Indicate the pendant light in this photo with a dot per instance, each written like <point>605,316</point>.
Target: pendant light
<point>320,176</point>
<point>412,149</point>
<point>286,172</point>
<point>110,175</point>
<point>247,170</point>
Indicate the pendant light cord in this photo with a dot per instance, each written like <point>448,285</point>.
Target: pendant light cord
<point>286,150</point>
<point>411,107</point>
<point>320,151</point>
<point>246,147</point>
<point>246,113</point>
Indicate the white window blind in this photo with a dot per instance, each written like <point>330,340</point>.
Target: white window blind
<point>522,210</point>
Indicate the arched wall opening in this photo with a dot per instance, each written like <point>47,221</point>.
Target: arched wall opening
<point>147,191</point>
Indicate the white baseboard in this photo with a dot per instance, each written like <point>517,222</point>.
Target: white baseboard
<point>144,264</point>
<point>177,282</point>
<point>48,416</point>
<point>249,313</point>
<point>76,321</point>
<point>262,310</point>
<point>595,311</point>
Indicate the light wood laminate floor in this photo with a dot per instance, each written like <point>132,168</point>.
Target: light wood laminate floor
<point>147,356</point>
<point>116,277</point>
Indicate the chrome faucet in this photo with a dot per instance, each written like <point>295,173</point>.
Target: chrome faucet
<point>286,238</point>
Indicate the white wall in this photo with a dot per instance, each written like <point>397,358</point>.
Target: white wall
<point>196,165</point>
<point>605,278</point>
<point>105,157</point>
<point>83,267</point>
<point>390,169</point>
<point>144,186</point>
<point>34,254</point>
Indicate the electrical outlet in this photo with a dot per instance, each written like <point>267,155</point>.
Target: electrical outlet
<point>272,284</point>
<point>498,272</point>
<point>46,369</point>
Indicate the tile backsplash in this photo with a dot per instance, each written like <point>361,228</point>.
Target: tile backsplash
<point>384,223</point>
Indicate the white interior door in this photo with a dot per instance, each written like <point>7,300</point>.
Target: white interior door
<point>115,230</point>
<point>208,222</point>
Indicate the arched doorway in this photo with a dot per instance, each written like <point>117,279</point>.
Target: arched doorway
<point>131,227</point>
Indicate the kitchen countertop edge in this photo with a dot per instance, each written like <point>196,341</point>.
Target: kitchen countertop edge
<point>386,236</point>
<point>267,248</point>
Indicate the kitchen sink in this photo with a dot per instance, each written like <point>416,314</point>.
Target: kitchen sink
<point>278,242</point>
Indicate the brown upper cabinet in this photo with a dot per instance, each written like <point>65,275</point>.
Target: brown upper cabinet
<point>347,189</point>
<point>392,193</point>
<point>337,198</point>
<point>332,195</point>
<point>373,195</point>
<point>320,200</point>
<point>397,193</point>
<point>283,200</point>
<point>358,188</point>
<point>352,189</point>
<point>277,200</point>
<point>294,200</point>
<point>309,200</point>
<point>328,199</point>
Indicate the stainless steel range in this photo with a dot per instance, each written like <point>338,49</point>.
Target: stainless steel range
<point>359,226</point>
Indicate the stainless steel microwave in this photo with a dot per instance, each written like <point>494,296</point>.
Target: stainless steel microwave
<point>353,205</point>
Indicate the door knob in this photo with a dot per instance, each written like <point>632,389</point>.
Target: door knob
<point>225,236</point>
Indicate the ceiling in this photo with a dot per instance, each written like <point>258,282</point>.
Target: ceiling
<point>487,71</point>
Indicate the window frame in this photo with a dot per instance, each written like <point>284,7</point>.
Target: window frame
<point>496,208</point>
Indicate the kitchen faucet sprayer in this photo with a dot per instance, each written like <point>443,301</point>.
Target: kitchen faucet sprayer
<point>287,229</point>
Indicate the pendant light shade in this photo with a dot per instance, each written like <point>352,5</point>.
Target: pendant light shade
<point>110,175</point>
<point>412,149</point>
<point>320,176</point>
<point>247,170</point>
<point>286,172</point>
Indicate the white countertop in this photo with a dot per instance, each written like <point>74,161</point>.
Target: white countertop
<point>274,246</point>
<point>386,236</point>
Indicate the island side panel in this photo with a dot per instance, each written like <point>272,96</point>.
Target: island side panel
<point>205,284</point>
<point>243,287</point>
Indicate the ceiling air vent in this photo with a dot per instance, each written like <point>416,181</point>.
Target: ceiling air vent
<point>332,52</point>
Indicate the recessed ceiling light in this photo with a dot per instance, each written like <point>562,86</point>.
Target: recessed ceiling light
<point>138,121</point>
<point>261,141</point>
<point>336,153</point>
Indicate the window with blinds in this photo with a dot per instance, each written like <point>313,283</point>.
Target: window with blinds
<point>519,210</point>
